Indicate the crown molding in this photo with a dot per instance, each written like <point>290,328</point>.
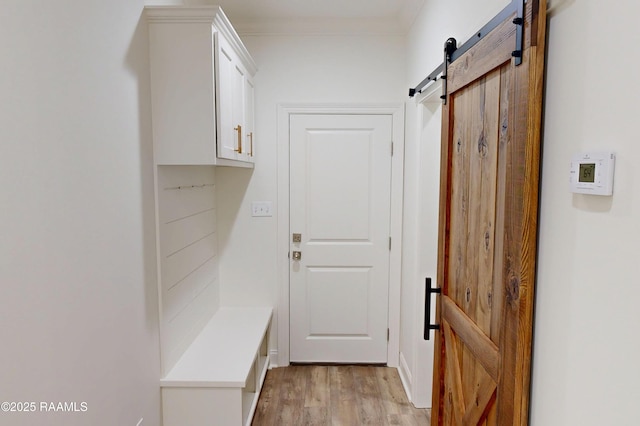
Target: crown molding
<point>320,26</point>
<point>409,12</point>
<point>204,15</point>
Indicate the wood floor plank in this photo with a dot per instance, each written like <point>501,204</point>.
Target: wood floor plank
<point>404,420</point>
<point>317,393</point>
<point>269,398</point>
<point>392,394</point>
<point>342,395</point>
<point>422,416</point>
<point>316,416</point>
<point>370,406</point>
<point>292,390</point>
<point>344,410</point>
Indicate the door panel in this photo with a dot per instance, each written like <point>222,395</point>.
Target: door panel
<point>340,204</point>
<point>488,227</point>
<point>348,313</point>
<point>339,184</point>
<point>238,108</point>
<point>227,143</point>
<point>232,99</point>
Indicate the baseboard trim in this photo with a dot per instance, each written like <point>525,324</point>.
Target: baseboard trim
<point>273,358</point>
<point>405,377</point>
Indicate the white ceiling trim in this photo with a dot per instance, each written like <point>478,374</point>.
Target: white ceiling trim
<point>259,17</point>
<point>409,12</point>
<point>320,26</point>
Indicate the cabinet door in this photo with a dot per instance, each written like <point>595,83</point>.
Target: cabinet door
<point>234,104</point>
<point>249,117</point>
<point>227,143</point>
<point>238,110</point>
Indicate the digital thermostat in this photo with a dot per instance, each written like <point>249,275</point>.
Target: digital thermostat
<point>592,173</point>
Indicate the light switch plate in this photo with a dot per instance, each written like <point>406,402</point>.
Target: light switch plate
<point>261,209</point>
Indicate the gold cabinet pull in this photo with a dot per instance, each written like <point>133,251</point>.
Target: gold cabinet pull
<point>250,135</point>
<point>239,129</point>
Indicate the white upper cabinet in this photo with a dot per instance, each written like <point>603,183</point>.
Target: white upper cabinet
<point>249,115</point>
<point>201,88</point>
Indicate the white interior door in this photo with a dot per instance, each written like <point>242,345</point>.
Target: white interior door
<point>340,184</point>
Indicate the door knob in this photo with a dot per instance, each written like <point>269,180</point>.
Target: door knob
<point>297,255</point>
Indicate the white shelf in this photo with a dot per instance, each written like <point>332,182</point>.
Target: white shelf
<point>219,377</point>
<point>224,352</point>
<point>248,400</point>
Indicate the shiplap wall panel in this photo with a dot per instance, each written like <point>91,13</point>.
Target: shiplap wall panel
<point>180,332</point>
<point>180,233</point>
<point>179,265</point>
<point>181,295</point>
<point>189,282</point>
<point>176,204</point>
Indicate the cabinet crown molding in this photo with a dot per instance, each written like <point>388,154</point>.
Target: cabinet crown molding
<point>213,15</point>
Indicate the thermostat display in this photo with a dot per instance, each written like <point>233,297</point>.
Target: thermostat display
<point>587,172</point>
<point>592,173</point>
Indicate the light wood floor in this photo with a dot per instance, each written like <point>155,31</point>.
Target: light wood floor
<point>335,395</point>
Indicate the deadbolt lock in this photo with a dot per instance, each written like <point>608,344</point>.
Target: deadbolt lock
<point>297,238</point>
<point>297,255</point>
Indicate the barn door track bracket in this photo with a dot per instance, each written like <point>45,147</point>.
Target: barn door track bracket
<point>517,7</point>
<point>519,23</point>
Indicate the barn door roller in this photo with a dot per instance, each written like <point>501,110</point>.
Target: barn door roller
<point>517,7</point>
<point>450,46</point>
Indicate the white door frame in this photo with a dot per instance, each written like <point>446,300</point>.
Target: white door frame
<point>397,189</point>
<point>418,377</point>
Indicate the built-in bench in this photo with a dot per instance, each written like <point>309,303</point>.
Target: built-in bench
<point>217,380</point>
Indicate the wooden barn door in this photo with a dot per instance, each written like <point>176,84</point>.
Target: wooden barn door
<point>488,228</point>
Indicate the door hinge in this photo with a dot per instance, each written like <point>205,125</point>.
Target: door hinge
<point>387,334</point>
<point>392,149</point>
<point>389,243</point>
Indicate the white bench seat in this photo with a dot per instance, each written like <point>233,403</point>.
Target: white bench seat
<point>218,378</point>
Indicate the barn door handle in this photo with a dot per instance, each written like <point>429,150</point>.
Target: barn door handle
<point>427,308</point>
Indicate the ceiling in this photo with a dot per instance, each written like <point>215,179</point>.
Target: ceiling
<point>395,14</point>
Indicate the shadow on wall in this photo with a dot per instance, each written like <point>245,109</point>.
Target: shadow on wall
<point>138,65</point>
<point>555,6</point>
<point>231,187</point>
<point>136,62</point>
<point>592,203</point>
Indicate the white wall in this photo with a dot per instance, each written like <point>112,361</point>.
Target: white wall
<point>585,369</point>
<point>292,68</point>
<point>436,22</point>
<point>78,301</point>
<point>586,353</point>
